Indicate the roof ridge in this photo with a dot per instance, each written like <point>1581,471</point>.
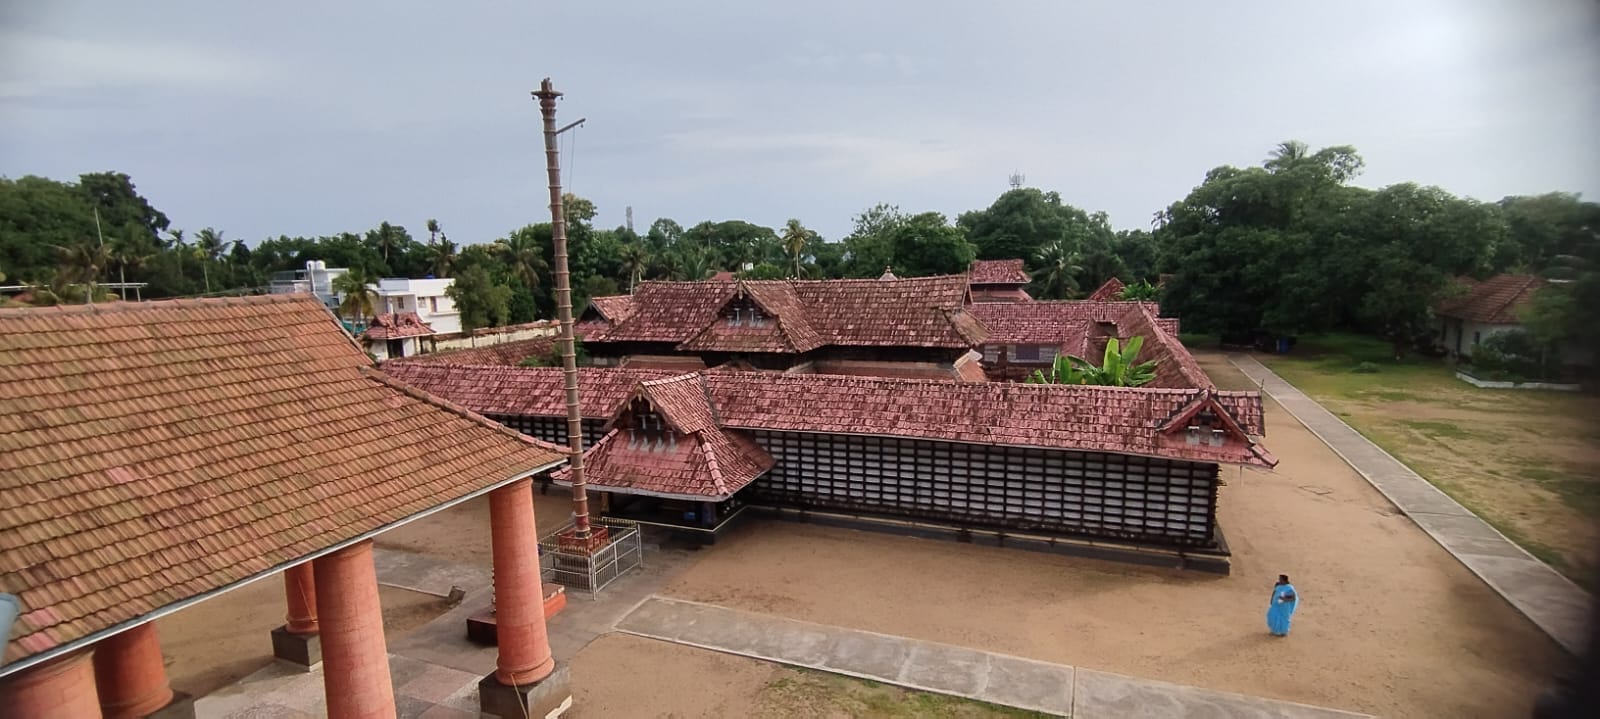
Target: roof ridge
<point>378,376</point>
<point>153,305</point>
<point>712,468</point>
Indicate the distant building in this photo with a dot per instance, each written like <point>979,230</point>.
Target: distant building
<point>998,281</point>
<point>408,313</point>
<point>1487,308</point>
<point>316,279</point>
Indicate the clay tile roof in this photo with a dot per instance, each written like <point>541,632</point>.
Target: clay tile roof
<point>888,273</point>
<point>918,312</point>
<point>1175,367</point>
<point>393,326</point>
<point>997,272</point>
<point>1096,419</point>
<point>524,391</point>
<point>1111,290</point>
<point>1000,293</point>
<point>614,308</point>
<point>505,354</point>
<point>681,401</point>
<point>1495,301</point>
<point>154,452</point>
<point>723,276</point>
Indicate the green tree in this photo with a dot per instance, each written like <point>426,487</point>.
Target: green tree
<point>1058,269</point>
<point>523,253</point>
<point>441,257</point>
<point>1118,368</point>
<point>796,239</point>
<point>359,301</point>
<point>481,301</point>
<point>433,231</point>
<point>765,271</point>
<point>1140,291</point>
<point>867,249</point>
<point>636,260</point>
<point>927,244</point>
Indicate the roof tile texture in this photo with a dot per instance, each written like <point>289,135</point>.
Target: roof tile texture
<point>153,452</point>
<point>998,272</point>
<point>1495,301</point>
<point>393,326</point>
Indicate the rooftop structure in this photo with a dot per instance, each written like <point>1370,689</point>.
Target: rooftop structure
<point>998,281</point>
<point>156,454</point>
<point>1110,291</point>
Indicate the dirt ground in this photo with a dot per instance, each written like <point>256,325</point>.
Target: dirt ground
<point>1389,623</point>
<point>1528,462</point>
<point>461,533</point>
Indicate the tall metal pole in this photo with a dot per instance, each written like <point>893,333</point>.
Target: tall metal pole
<point>569,362</point>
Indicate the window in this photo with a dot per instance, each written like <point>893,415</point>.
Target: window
<point>1027,353</point>
<point>1476,336</point>
<point>433,304</point>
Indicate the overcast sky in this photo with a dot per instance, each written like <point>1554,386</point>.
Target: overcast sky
<point>317,117</point>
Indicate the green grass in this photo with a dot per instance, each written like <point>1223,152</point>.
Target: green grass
<point>1436,430</point>
<point>807,692</point>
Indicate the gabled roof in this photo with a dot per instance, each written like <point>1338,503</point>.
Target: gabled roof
<point>1175,367</point>
<point>917,312</point>
<point>698,460</point>
<point>997,272</point>
<point>397,325</point>
<point>614,308</point>
<point>1496,301</point>
<point>153,452</point>
<point>1111,290</point>
<point>1086,418</point>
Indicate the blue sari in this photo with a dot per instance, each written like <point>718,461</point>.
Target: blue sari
<point>1284,600</point>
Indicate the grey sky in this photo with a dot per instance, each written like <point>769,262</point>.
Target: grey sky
<point>318,117</point>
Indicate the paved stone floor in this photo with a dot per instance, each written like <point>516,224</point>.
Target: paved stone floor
<point>985,676</point>
<point>1553,602</point>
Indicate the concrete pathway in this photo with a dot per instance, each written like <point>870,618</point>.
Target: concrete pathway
<point>1552,601</point>
<point>984,676</point>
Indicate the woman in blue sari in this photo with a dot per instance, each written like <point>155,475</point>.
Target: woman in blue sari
<point>1284,600</point>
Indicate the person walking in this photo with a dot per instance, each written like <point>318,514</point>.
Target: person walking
<point>1281,609</point>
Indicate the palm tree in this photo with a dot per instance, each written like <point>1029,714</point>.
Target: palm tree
<point>442,257</point>
<point>385,239</point>
<point>1286,154</point>
<point>360,300</point>
<point>126,252</point>
<point>795,239</point>
<point>523,255</point>
<point>433,231</point>
<point>83,263</point>
<point>208,246</point>
<point>635,259</point>
<point>691,263</point>
<point>1059,267</point>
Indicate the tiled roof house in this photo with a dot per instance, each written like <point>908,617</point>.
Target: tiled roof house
<point>998,281</point>
<point>1479,309</point>
<point>153,454</point>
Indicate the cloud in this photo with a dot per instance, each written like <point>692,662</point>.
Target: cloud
<point>43,66</point>
<point>875,157</point>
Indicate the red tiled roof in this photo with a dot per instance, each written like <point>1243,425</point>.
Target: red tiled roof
<point>708,462</point>
<point>393,326</point>
<point>723,276</point>
<point>1008,294</point>
<point>677,364</point>
<point>1495,301</point>
<point>524,391</point>
<point>1111,290</point>
<point>997,272</point>
<point>918,312</point>
<point>153,452</point>
<point>614,308</point>
<point>1086,418</point>
<point>507,354</point>
<point>1095,419</point>
<point>1175,367</point>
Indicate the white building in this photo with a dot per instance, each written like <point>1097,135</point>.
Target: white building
<point>427,298</point>
<point>316,279</point>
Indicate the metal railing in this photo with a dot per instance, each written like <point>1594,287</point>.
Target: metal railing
<point>593,571</point>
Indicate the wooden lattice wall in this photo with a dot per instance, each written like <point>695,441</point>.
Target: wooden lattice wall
<point>551,429</point>
<point>1142,499</point>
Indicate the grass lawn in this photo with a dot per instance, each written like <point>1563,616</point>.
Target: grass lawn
<point>1526,461</point>
<point>804,692</point>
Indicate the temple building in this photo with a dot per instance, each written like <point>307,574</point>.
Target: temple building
<point>998,281</point>
<point>155,455</point>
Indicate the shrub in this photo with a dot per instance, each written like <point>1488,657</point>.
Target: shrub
<point>1513,355</point>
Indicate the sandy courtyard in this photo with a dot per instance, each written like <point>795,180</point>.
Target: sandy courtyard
<point>1390,623</point>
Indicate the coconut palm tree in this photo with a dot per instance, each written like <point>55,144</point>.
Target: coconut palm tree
<point>208,247</point>
<point>433,231</point>
<point>359,301</point>
<point>523,255</point>
<point>635,259</point>
<point>1059,267</point>
<point>795,239</point>
<point>386,239</point>
<point>442,257</point>
<point>125,252</point>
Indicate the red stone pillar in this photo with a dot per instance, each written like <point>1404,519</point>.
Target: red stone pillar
<point>300,588</point>
<point>355,660</point>
<point>518,596</point>
<point>58,689</point>
<point>129,673</point>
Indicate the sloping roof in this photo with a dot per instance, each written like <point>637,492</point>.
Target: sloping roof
<point>508,354</point>
<point>1495,301</point>
<point>1175,367</point>
<point>153,452</point>
<point>524,391</point>
<point>397,325</point>
<point>998,293</point>
<point>997,272</point>
<point>1111,290</point>
<point>917,312</point>
<point>1095,419</point>
<point>614,308</point>
<point>1087,418</point>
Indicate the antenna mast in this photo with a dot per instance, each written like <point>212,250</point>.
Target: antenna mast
<point>1017,178</point>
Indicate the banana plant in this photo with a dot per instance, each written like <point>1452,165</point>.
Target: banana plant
<point>1117,368</point>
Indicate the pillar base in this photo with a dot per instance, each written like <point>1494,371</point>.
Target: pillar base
<point>303,650</point>
<point>480,626</point>
<point>181,707</point>
<point>549,698</point>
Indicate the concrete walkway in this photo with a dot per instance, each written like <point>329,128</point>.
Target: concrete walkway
<point>984,676</point>
<point>1553,602</point>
